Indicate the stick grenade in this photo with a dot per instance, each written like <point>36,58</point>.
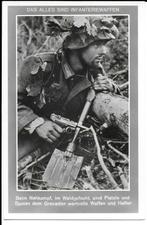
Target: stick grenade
<point>89,100</point>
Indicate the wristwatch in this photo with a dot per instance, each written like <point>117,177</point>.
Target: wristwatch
<point>34,124</point>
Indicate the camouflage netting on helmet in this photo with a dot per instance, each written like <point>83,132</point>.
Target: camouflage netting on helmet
<point>82,31</point>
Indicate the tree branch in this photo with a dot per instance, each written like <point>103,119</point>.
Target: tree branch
<point>43,45</point>
<point>113,182</point>
<point>115,75</point>
<point>118,152</point>
<point>91,178</point>
<point>122,177</point>
<point>33,163</point>
<point>124,86</point>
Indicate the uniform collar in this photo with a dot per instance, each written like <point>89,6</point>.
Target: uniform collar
<point>67,70</point>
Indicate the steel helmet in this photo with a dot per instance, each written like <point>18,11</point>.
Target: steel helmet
<point>82,31</point>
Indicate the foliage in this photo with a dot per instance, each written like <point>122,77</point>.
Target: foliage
<point>34,36</point>
<point>31,179</point>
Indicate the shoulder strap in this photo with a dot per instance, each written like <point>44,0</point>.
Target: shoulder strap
<point>47,56</point>
<point>53,67</point>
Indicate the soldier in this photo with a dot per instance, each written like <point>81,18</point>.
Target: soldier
<point>59,82</point>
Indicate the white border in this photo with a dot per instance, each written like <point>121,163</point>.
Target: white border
<point>72,3</point>
<point>5,110</point>
<point>142,121</point>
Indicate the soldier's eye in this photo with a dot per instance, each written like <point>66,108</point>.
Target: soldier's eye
<point>101,57</point>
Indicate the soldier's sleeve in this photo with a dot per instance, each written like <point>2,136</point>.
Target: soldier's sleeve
<point>29,66</point>
<point>25,114</point>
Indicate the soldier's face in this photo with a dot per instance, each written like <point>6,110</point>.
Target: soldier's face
<point>93,54</point>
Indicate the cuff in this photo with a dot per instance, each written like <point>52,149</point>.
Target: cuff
<point>34,124</point>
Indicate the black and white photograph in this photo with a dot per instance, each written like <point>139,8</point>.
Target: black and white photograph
<point>73,94</point>
<point>71,79</point>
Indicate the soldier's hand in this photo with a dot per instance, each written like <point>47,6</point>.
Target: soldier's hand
<point>102,83</point>
<point>49,131</point>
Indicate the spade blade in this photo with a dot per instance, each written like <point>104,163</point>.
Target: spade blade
<point>62,172</point>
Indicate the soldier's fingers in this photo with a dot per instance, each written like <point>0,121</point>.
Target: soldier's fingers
<point>101,78</point>
<point>52,137</point>
<point>108,88</point>
<point>58,128</point>
<point>101,82</point>
<point>55,133</point>
<point>104,86</point>
<point>49,140</point>
<point>100,88</point>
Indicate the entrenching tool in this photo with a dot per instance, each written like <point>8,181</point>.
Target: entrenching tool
<point>63,167</point>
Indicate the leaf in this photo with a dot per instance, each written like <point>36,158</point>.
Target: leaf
<point>34,89</point>
<point>27,179</point>
<point>107,21</point>
<point>35,69</point>
<point>106,32</point>
<point>79,21</point>
<point>91,29</point>
<point>115,31</point>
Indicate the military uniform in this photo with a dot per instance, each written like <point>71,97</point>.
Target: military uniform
<point>51,91</point>
<point>57,89</point>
